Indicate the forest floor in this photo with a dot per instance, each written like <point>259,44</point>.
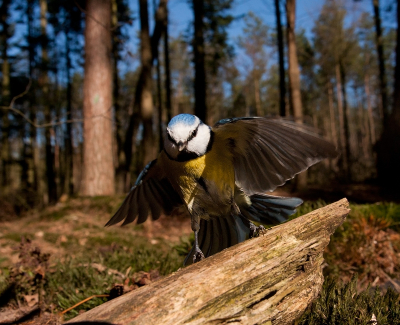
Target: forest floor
<point>57,257</point>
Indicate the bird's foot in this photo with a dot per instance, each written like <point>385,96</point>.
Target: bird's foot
<point>256,231</point>
<point>198,255</point>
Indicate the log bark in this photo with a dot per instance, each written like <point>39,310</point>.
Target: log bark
<point>270,279</point>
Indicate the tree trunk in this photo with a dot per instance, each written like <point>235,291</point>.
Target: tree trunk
<point>68,177</point>
<point>281,53</point>
<point>167,63</point>
<point>146,101</point>
<point>257,93</point>
<point>381,61</point>
<point>133,120</point>
<point>346,117</point>
<point>369,109</point>
<point>200,107</point>
<point>339,94</point>
<point>388,149</point>
<point>98,177</point>
<point>159,92</point>
<point>332,114</point>
<point>50,168</point>
<point>266,280</point>
<point>294,78</point>
<point>5,100</point>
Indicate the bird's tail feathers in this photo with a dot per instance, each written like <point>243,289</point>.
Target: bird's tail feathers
<point>216,234</point>
<point>270,210</point>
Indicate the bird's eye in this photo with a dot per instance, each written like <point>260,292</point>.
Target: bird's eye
<point>193,134</point>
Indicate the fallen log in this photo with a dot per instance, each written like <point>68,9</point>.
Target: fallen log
<point>270,279</point>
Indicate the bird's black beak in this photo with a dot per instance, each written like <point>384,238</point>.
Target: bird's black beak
<point>181,145</point>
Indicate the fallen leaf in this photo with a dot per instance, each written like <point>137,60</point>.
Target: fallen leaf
<point>31,300</point>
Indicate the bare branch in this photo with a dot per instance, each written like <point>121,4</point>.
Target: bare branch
<point>45,125</point>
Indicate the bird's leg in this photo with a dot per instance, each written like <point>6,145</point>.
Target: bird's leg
<point>256,231</point>
<point>198,254</point>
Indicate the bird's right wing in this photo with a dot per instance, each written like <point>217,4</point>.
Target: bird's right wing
<point>152,195</point>
<point>267,152</point>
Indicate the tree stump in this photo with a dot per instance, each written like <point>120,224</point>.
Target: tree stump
<point>270,279</point>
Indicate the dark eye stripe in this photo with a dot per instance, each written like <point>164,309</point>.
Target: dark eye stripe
<point>193,134</point>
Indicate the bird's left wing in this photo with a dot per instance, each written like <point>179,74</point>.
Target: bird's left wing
<point>269,151</point>
<point>152,195</point>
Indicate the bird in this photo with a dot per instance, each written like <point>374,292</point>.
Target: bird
<point>219,176</point>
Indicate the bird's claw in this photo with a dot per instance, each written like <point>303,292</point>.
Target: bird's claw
<point>256,231</point>
<point>198,255</point>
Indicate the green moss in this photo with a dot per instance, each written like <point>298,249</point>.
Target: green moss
<point>16,236</point>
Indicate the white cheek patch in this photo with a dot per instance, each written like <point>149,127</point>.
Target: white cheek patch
<point>200,142</point>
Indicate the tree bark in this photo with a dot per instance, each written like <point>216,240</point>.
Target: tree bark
<point>294,78</point>
<point>388,150</point>
<point>346,118</point>
<point>44,83</point>
<point>168,94</point>
<point>146,101</point>
<point>381,61</point>
<point>369,109</point>
<point>5,94</point>
<point>266,280</point>
<point>69,167</point>
<point>339,94</point>
<point>257,93</point>
<point>98,177</point>
<point>133,121</point>
<point>200,107</point>
<point>281,53</point>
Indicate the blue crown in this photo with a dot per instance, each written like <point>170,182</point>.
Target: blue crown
<point>186,119</point>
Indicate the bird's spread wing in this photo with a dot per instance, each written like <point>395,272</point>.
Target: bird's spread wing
<point>267,152</point>
<point>152,194</point>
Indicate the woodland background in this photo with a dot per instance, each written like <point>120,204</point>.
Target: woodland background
<point>89,86</point>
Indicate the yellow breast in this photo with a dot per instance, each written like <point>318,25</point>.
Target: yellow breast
<point>215,167</point>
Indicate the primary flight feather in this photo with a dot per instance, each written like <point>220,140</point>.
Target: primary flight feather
<point>219,177</point>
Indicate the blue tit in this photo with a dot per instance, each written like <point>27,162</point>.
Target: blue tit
<point>219,176</point>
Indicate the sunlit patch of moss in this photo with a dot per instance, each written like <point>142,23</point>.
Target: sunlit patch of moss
<point>16,236</point>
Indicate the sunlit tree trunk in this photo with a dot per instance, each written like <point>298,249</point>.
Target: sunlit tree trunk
<point>200,107</point>
<point>294,77</point>
<point>281,53</point>
<point>98,175</point>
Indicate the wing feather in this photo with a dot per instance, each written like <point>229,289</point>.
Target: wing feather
<point>267,152</point>
<point>152,195</point>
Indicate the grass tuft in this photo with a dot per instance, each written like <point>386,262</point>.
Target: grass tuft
<point>340,304</point>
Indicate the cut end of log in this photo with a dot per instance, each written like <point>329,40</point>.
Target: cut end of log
<point>271,278</point>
